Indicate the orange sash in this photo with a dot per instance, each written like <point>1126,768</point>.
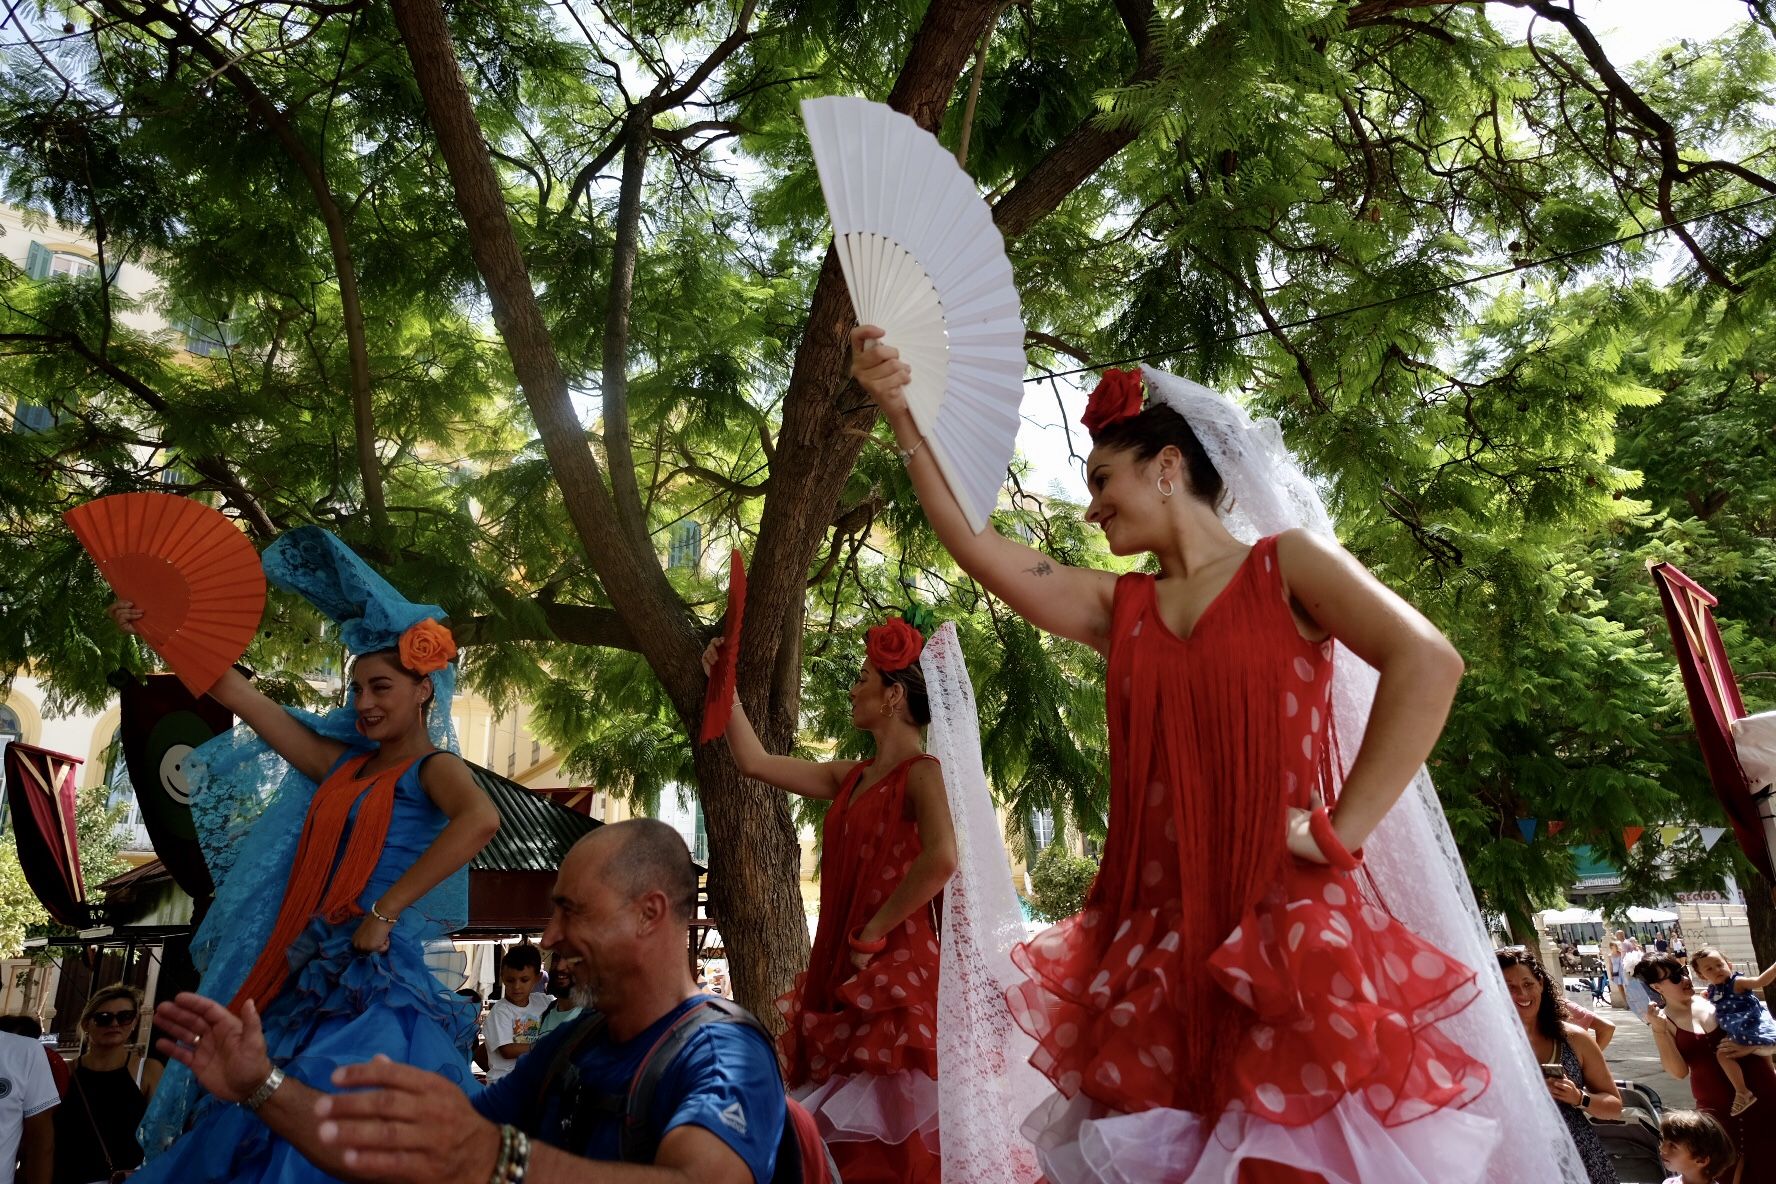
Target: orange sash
<point>316,885</point>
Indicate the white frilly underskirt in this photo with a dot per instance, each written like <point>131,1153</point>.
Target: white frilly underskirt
<point>885,1108</point>
<point>1079,1141</point>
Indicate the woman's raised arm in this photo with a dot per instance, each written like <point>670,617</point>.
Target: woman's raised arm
<point>810,779</point>
<point>1072,602</point>
<point>309,752</point>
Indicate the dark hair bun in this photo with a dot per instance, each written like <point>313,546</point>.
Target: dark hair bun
<point>1152,431</point>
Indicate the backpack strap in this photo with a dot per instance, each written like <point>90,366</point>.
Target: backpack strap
<point>639,1142</point>
<point>562,1075</point>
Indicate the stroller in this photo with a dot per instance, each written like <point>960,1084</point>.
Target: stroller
<point>1633,1140</point>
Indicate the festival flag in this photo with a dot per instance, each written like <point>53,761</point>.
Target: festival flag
<point>1712,835</point>
<point>1631,835</point>
<point>1668,834</point>
<point>1527,828</point>
<point>161,723</point>
<point>41,792</point>
<point>1555,827</point>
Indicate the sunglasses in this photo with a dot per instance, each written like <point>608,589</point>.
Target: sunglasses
<point>105,1019</point>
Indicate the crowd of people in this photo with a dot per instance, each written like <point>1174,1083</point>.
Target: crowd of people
<point>1277,975</point>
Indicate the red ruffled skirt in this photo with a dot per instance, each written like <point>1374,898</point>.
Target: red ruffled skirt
<point>1328,997</point>
<point>866,1068</point>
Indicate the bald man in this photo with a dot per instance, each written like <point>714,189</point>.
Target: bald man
<point>623,899</point>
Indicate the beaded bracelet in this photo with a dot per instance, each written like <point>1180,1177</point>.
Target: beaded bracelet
<point>1319,824</point>
<point>376,911</point>
<point>867,947</point>
<point>514,1157</point>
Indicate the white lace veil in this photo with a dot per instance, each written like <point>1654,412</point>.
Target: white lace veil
<point>985,1082</point>
<point>1411,859</point>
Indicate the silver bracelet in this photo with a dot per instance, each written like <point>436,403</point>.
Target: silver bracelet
<point>262,1095</point>
<point>377,913</point>
<point>906,454</point>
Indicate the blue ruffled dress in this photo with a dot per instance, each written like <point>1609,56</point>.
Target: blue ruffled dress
<point>338,1007</point>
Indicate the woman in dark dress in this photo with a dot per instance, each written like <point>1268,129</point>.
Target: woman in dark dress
<point>1688,1037</point>
<point>107,1093</point>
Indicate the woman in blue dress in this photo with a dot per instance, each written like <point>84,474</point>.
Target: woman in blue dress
<point>340,846</point>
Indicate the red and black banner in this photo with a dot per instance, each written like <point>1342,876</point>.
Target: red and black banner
<point>41,794</point>
<point>1714,704</point>
<point>161,723</point>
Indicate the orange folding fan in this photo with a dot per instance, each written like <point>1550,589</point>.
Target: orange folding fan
<point>718,696</point>
<point>193,574</point>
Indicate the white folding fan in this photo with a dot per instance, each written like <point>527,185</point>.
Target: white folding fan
<point>924,261</point>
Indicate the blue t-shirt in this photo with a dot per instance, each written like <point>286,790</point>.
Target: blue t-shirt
<point>724,1080</point>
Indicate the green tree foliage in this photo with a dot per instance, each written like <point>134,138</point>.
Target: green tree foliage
<point>510,403</point>
<point>1059,882</point>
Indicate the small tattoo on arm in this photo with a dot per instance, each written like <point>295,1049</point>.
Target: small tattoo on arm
<point>1042,568</point>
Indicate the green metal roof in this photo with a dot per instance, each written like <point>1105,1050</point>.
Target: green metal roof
<point>534,832</point>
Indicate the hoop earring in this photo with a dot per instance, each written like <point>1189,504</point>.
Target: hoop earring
<point>1166,487</point>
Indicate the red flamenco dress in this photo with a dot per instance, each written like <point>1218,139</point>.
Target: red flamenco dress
<point>860,1047</point>
<point>1220,1010</point>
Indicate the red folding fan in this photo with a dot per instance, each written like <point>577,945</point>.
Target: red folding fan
<point>718,696</point>
<point>193,574</point>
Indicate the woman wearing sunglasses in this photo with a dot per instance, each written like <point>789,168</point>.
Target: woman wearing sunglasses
<point>95,1126</point>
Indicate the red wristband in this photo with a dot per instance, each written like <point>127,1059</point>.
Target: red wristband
<point>867,947</point>
<point>1319,824</point>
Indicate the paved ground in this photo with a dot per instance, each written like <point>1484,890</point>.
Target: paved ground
<point>1633,1056</point>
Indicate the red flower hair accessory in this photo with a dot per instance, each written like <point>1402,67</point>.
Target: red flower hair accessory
<point>894,645</point>
<point>1116,397</point>
<point>427,647</point>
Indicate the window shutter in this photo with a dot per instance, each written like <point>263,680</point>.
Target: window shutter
<point>686,545</point>
<point>29,419</point>
<point>37,261</point>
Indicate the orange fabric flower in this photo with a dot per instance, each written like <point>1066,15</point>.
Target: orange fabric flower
<point>894,645</point>
<point>427,647</point>
<point>1116,397</point>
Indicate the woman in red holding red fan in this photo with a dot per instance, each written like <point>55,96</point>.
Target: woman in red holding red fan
<point>860,1046</point>
<point>1239,999</point>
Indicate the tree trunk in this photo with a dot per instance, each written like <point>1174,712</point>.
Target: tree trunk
<point>753,881</point>
<point>755,895</point>
<point>1760,913</point>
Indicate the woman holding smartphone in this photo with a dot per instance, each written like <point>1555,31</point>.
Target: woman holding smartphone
<point>1578,1079</point>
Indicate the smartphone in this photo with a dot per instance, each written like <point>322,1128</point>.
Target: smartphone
<point>1554,1072</point>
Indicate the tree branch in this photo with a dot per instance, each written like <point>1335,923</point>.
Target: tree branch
<point>576,624</point>
<point>351,309</point>
<point>637,587</point>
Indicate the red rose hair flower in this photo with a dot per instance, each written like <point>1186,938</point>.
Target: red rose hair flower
<point>894,645</point>
<point>1116,397</point>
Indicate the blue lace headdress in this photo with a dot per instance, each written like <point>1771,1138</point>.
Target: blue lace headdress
<point>249,804</point>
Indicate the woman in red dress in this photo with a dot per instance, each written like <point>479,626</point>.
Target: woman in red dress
<point>1688,1038</point>
<point>1236,1001</point>
<point>860,1044</point>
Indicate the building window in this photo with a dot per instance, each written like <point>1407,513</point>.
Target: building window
<point>41,263</point>
<point>1042,829</point>
<point>680,810</point>
<point>686,545</point>
<point>536,750</point>
<point>121,793</point>
<point>512,759</point>
<point>30,419</point>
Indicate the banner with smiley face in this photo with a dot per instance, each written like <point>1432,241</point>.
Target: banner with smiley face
<point>161,723</point>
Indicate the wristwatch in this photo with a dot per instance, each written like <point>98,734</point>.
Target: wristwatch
<point>1584,1098</point>
<point>262,1095</point>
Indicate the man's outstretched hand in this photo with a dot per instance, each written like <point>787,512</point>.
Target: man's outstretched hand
<point>225,1052</point>
<point>406,1125</point>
